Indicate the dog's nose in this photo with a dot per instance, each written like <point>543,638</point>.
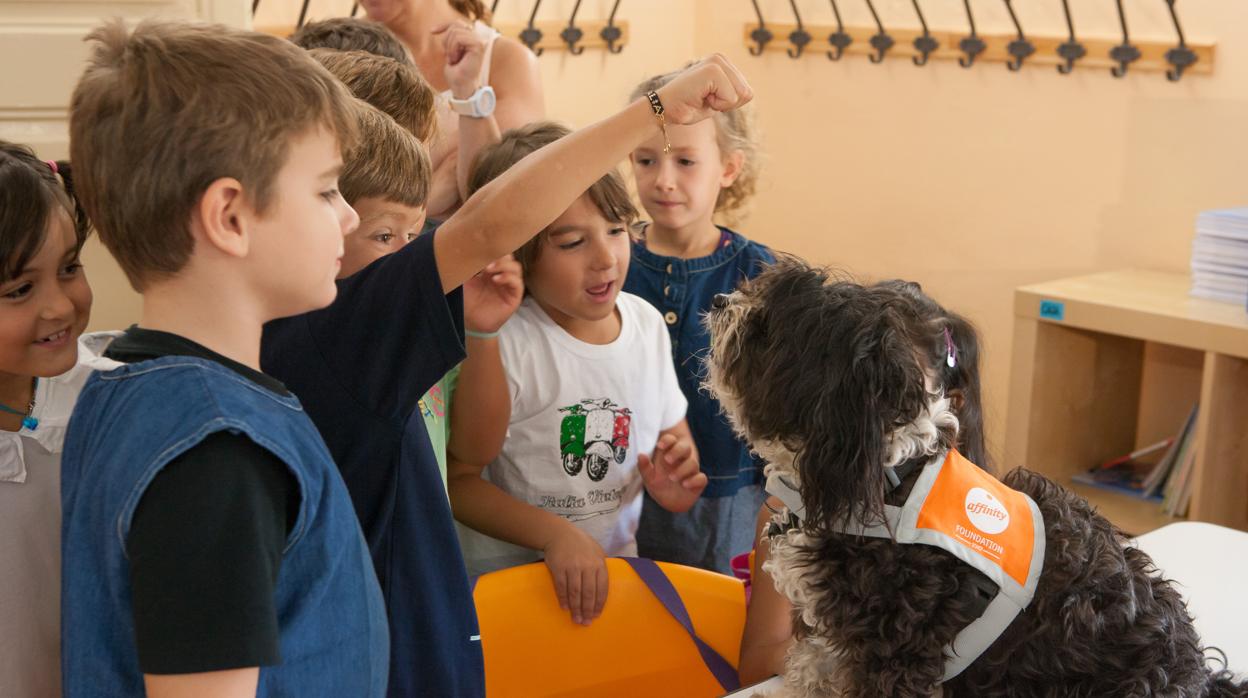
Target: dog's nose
<point>720,301</point>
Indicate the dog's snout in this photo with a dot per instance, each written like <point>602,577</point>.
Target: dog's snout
<point>720,301</point>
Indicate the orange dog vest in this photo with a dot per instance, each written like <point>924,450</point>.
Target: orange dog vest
<point>959,508</point>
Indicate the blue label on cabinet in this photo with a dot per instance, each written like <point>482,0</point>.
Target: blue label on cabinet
<point>1052,310</point>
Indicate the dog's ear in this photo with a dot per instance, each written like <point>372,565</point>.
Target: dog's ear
<point>867,381</point>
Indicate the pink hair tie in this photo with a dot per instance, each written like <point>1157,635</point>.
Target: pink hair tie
<point>52,164</point>
<point>951,350</point>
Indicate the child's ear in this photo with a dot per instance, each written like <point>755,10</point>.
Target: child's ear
<point>733,165</point>
<point>222,217</point>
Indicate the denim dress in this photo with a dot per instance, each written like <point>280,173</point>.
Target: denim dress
<point>721,523</point>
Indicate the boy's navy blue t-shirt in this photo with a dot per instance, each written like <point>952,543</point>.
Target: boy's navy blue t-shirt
<point>359,367</point>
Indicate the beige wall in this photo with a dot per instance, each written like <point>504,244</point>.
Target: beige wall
<point>976,181</point>
<point>969,181</point>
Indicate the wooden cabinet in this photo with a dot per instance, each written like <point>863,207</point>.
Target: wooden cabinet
<point>1105,363</point>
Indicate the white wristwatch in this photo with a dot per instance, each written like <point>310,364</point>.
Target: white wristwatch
<point>478,106</point>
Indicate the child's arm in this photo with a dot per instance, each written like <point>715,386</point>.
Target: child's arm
<point>231,683</point>
<point>768,630</point>
<point>533,193</point>
<point>576,561</point>
<point>480,415</point>
<point>672,475</point>
<point>481,406</point>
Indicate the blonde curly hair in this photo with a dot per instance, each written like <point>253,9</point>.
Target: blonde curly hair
<point>735,131</point>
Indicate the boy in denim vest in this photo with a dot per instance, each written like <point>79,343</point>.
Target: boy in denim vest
<point>210,546</point>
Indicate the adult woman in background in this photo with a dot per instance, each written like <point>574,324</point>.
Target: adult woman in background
<point>507,67</point>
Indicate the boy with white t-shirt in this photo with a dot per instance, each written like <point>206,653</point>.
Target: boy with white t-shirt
<point>596,412</point>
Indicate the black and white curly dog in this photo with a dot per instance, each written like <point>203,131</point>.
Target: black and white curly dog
<point>825,381</point>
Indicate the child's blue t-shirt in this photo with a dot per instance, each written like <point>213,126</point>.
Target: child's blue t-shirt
<point>682,290</point>
<point>360,368</point>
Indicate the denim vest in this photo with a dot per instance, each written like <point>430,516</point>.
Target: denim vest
<point>129,423</point>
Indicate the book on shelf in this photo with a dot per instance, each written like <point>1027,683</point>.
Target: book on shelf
<point>1144,475</point>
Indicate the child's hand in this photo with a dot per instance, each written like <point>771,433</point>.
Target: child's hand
<point>579,570</point>
<point>465,53</point>
<point>493,295</point>
<point>710,85</point>
<point>673,476</point>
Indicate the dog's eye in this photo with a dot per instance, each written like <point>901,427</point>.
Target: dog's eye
<point>720,301</point>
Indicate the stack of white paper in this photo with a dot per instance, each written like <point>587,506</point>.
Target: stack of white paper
<point>1220,256</point>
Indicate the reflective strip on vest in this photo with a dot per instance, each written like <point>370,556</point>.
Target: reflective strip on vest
<point>959,508</point>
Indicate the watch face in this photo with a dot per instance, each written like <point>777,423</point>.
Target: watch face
<point>486,101</point>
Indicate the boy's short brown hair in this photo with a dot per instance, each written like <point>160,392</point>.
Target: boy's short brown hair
<point>395,88</point>
<point>164,110</point>
<point>386,163</point>
<point>609,194</point>
<point>351,34</point>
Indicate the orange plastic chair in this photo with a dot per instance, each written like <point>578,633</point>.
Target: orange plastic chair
<point>635,649</point>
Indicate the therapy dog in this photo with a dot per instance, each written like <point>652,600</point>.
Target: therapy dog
<point>911,571</point>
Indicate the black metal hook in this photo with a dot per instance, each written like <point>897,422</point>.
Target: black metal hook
<point>303,14</point>
<point>493,7</point>
<point>531,34</point>
<point>1019,48</point>
<point>881,42</point>
<point>571,34</point>
<point>972,45</point>
<point>1180,57</point>
<point>355,8</point>
<point>798,37</point>
<point>839,39</point>
<point>761,36</point>
<point>609,33</point>
<point>1124,53</point>
<point>1072,50</point>
<point>924,44</point>
<point>254,4</point>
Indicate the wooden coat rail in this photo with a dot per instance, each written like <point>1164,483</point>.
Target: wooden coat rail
<point>1152,53</point>
<point>550,41</point>
<point>551,29</point>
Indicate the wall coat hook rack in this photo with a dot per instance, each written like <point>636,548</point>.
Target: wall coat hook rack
<point>1125,53</point>
<point>971,46</point>
<point>1020,48</point>
<point>572,34</point>
<point>611,33</point>
<point>838,39</point>
<point>1180,57</point>
<point>798,37</point>
<point>924,43</point>
<point>1066,50</point>
<point>531,34</point>
<point>880,41</point>
<point>1071,50</point>
<point>761,36</point>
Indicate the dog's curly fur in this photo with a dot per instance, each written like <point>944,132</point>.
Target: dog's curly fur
<point>823,378</point>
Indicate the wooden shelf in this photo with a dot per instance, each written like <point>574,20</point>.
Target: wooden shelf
<point>1134,516</point>
<point>1101,362</point>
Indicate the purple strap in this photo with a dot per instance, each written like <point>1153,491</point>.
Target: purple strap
<point>658,583</point>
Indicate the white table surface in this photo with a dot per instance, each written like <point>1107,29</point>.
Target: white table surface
<point>1210,566</point>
